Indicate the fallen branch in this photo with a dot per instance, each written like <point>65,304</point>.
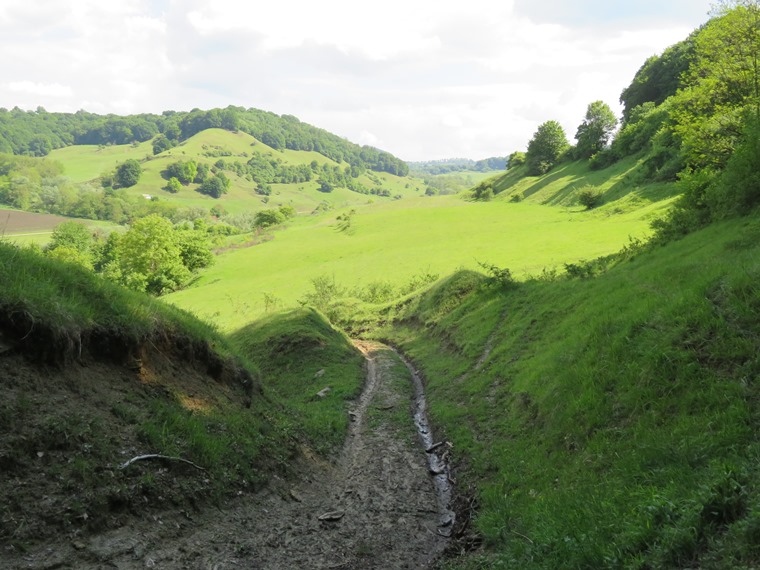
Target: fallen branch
<point>161,457</point>
<point>435,446</point>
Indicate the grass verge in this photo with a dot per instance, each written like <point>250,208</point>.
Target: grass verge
<point>610,421</point>
<point>310,368</point>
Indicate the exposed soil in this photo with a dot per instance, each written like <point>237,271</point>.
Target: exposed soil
<point>375,506</point>
<point>17,222</point>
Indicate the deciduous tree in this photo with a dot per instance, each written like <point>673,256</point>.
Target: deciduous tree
<point>150,257</point>
<point>546,147</point>
<point>595,131</point>
<point>128,173</point>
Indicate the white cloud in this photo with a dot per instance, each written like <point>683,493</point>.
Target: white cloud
<point>41,89</point>
<point>422,79</point>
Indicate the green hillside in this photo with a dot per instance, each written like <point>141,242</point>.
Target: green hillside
<point>85,163</point>
<point>621,186</point>
<point>607,422</point>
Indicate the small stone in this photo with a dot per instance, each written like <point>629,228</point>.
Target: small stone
<point>79,545</point>
<point>323,392</point>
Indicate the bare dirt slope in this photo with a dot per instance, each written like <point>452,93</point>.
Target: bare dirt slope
<point>375,506</point>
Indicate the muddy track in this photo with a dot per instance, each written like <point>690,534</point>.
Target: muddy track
<point>376,506</point>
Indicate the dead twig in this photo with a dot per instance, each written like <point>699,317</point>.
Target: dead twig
<point>435,446</point>
<point>521,536</point>
<point>159,457</point>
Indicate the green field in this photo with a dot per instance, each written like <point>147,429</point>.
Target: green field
<point>394,242</point>
<point>83,163</point>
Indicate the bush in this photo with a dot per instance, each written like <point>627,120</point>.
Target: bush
<point>173,185</point>
<point>500,277</point>
<point>215,186</point>
<point>589,197</point>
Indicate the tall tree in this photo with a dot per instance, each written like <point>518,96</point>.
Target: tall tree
<point>545,148</point>
<point>595,131</point>
<point>722,85</point>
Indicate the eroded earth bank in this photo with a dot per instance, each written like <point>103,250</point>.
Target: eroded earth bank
<point>375,506</point>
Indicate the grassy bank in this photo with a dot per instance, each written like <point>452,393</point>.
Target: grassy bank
<point>94,375</point>
<point>613,420</point>
<point>311,367</point>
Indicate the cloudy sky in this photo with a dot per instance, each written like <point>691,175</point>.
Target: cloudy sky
<point>423,79</point>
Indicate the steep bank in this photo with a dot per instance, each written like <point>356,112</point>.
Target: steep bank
<point>93,376</point>
<point>606,421</point>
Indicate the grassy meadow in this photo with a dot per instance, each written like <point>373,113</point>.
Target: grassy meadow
<point>396,241</point>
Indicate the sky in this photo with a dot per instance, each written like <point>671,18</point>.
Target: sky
<point>422,79</point>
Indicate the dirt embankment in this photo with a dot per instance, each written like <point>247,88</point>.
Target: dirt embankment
<point>375,506</point>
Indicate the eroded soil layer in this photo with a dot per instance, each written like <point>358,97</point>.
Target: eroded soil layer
<point>374,507</point>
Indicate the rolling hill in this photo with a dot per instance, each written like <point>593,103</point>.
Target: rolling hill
<point>86,163</point>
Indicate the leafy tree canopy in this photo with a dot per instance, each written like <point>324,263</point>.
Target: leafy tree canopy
<point>128,173</point>
<point>546,147</point>
<point>596,130</point>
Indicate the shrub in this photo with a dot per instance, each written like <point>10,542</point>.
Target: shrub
<point>589,197</point>
<point>173,186</point>
<point>500,277</point>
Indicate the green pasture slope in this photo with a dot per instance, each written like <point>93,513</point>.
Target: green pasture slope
<point>87,163</point>
<point>614,422</point>
<point>620,186</point>
<point>394,242</point>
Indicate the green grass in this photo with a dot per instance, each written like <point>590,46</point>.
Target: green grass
<point>301,354</point>
<point>620,185</point>
<point>87,162</point>
<point>614,423</point>
<point>82,163</point>
<point>396,241</point>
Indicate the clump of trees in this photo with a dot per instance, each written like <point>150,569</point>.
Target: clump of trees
<point>215,185</point>
<point>128,173</point>
<point>273,216</point>
<point>154,255</point>
<point>38,185</point>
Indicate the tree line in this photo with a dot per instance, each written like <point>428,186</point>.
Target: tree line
<point>36,133</point>
<point>449,165</point>
<point>691,113</point>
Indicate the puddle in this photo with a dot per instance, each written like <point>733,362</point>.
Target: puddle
<point>437,464</point>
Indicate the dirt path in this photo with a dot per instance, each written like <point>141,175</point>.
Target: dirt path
<point>375,507</point>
